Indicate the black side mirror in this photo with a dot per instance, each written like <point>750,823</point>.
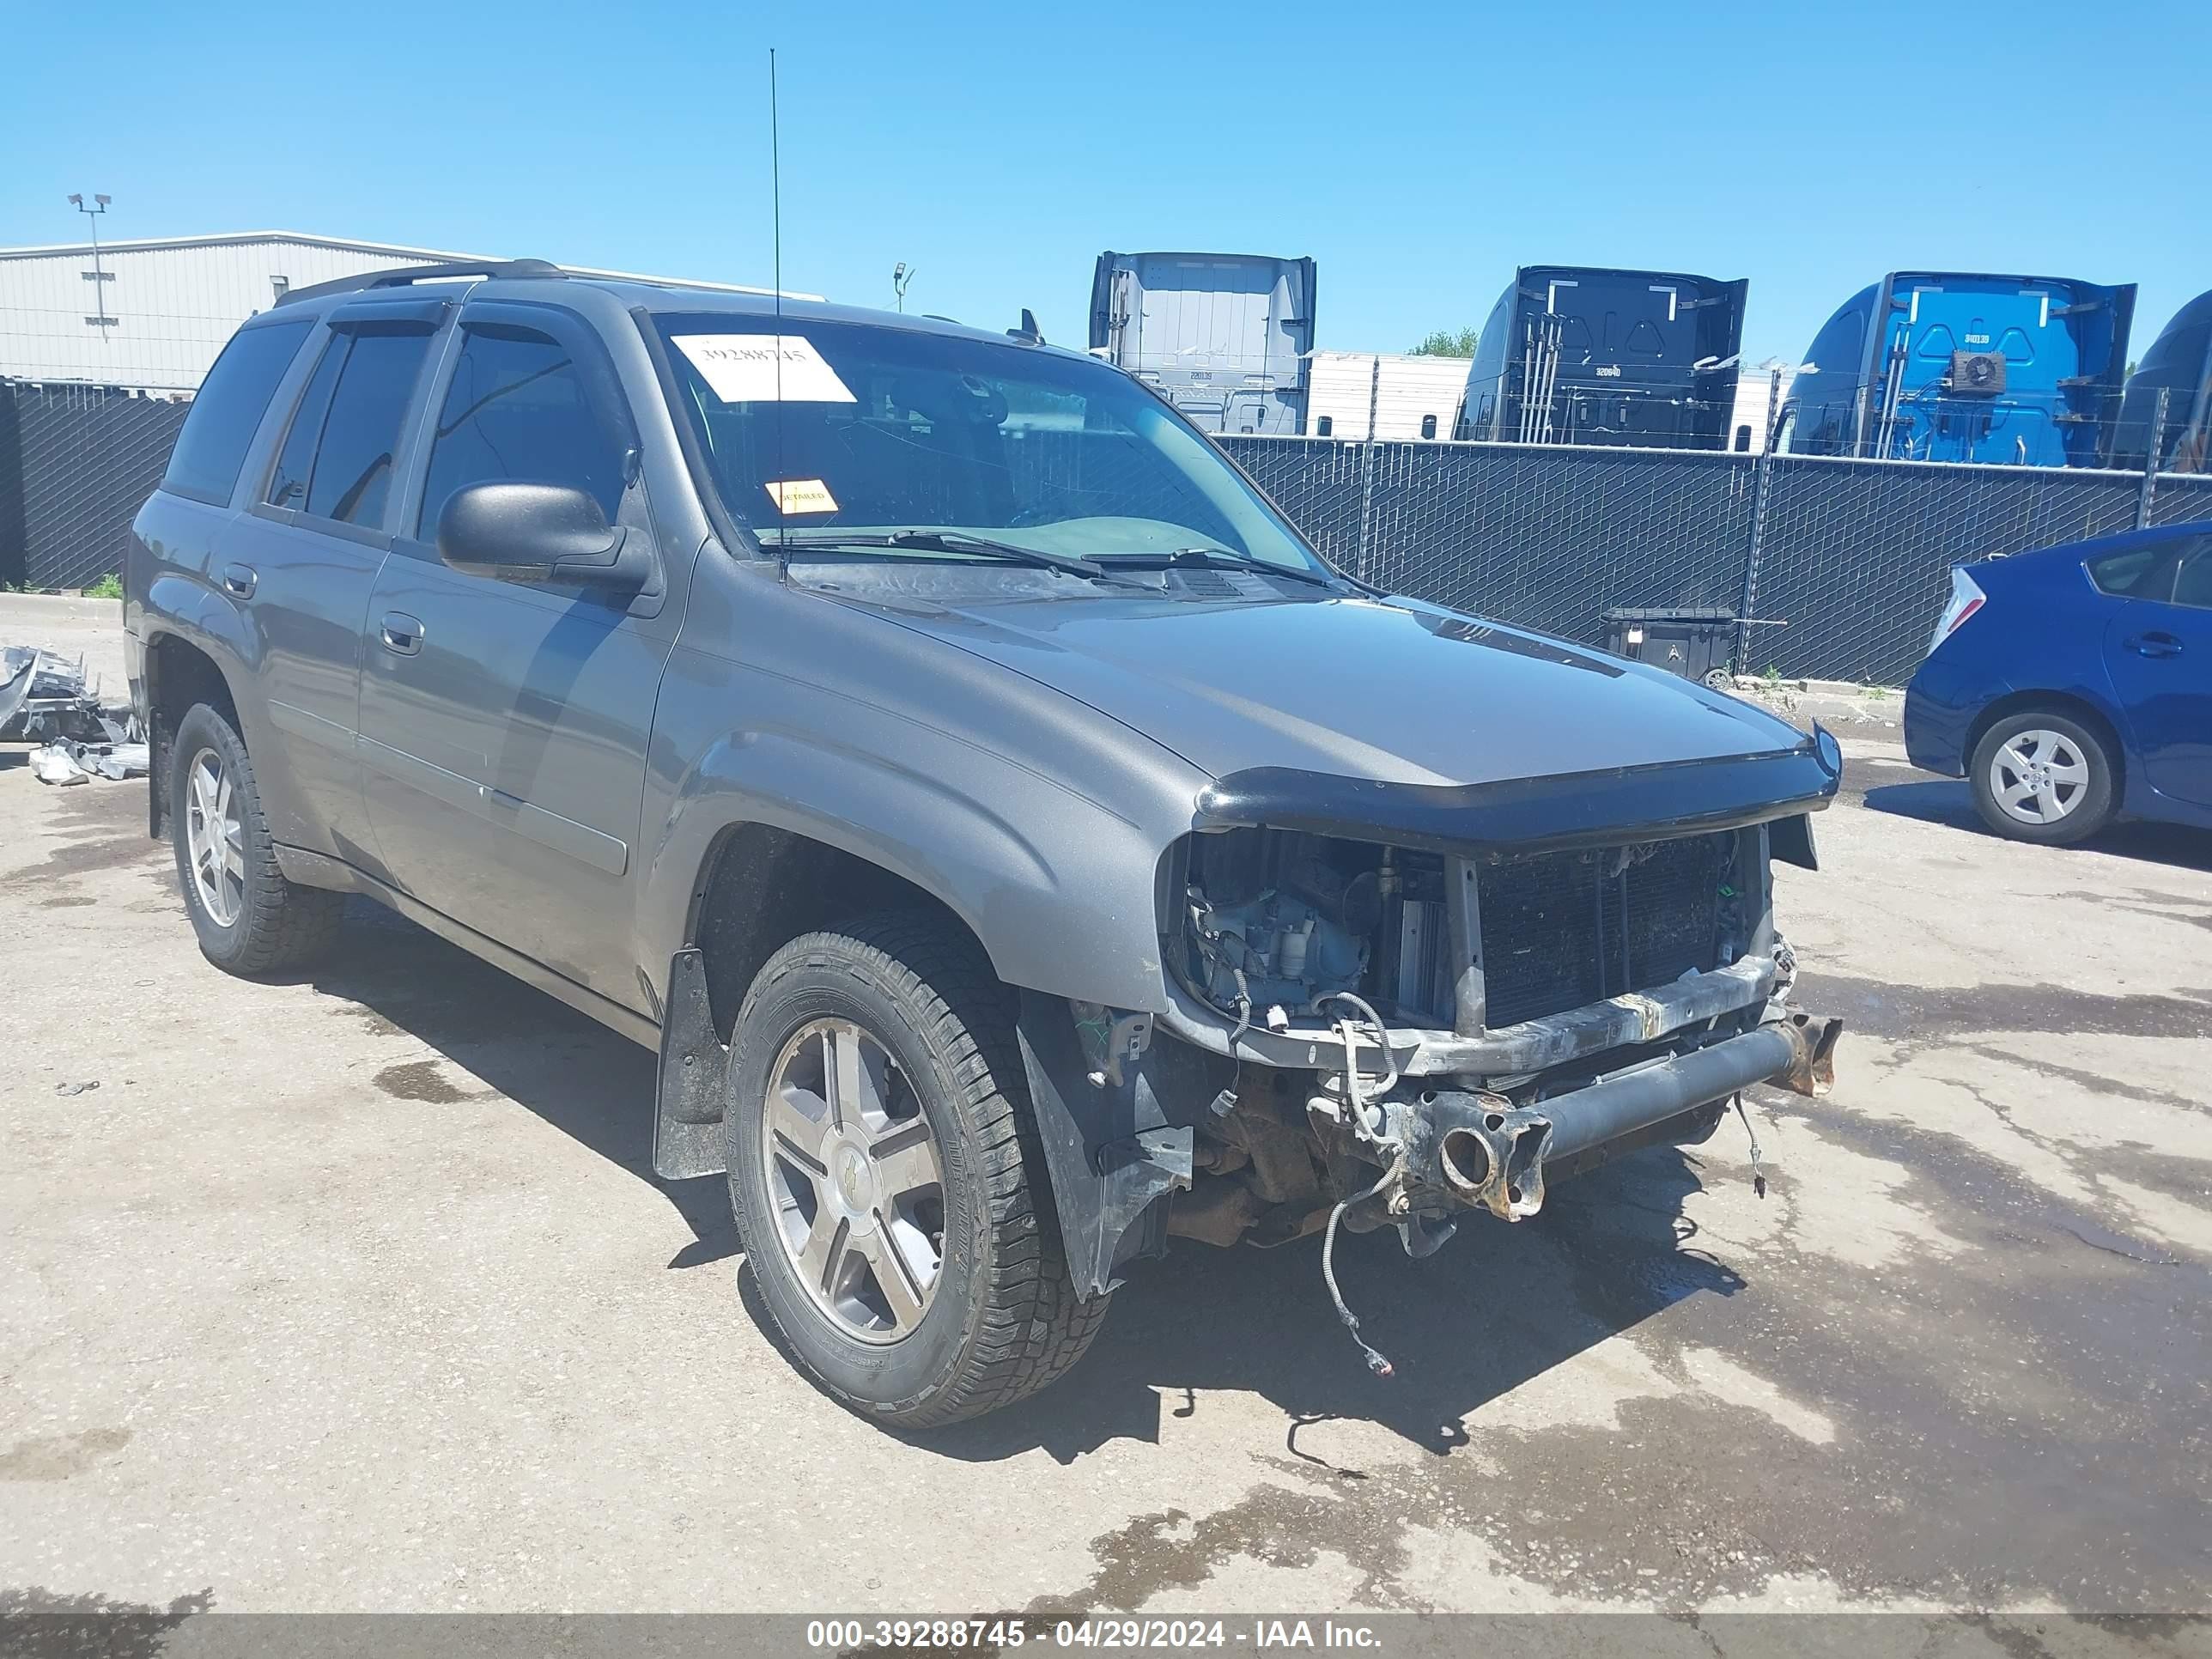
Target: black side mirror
<point>534,532</point>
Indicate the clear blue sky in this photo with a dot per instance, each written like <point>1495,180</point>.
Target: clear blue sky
<point>1419,152</point>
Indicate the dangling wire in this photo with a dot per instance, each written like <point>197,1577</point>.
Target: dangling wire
<point>1758,1176</point>
<point>1348,1031</point>
<point>1375,1361</point>
<point>1351,1061</point>
<point>1243,1009</point>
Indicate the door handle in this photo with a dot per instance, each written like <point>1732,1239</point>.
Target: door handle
<point>239,580</point>
<point>403,634</point>
<point>2156,644</point>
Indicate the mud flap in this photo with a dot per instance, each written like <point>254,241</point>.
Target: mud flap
<point>1110,1154</point>
<point>692,1083</point>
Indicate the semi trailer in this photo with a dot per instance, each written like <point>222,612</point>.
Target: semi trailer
<point>1578,353</point>
<point>1948,366</point>
<point>1225,337</point>
<point>2179,365</point>
<point>1384,395</point>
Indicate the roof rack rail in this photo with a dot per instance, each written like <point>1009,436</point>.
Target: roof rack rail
<point>401,276</point>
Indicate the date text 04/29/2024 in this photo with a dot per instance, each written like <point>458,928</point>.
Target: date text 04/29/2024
<point>1001,1633</point>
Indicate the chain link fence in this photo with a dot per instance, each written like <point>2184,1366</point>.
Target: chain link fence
<point>1558,536</point>
<point>1838,568</point>
<point>1320,483</point>
<point>1852,565</point>
<point>75,465</point>
<point>2181,499</point>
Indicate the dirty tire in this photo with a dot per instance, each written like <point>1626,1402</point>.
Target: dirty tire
<point>1003,1318</point>
<point>279,925</point>
<point>2090,813</point>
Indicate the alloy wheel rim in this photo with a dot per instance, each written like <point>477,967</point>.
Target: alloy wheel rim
<point>2038,776</point>
<point>215,839</point>
<point>855,1180</point>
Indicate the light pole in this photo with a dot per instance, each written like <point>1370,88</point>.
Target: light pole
<point>99,318</point>
<point>902,274</point>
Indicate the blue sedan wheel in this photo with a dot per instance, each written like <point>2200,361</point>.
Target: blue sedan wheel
<point>2042,777</point>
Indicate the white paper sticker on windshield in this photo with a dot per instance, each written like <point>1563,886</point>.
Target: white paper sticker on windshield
<point>748,368</point>
<point>801,495</point>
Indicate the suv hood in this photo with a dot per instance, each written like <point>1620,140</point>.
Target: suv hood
<point>1391,691</point>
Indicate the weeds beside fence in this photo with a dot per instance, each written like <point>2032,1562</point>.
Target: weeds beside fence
<point>1838,566</point>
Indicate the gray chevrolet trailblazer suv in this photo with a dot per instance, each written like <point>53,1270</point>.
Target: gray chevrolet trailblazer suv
<point>1019,846</point>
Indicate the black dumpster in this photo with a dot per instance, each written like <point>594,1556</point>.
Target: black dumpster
<point>1695,643</point>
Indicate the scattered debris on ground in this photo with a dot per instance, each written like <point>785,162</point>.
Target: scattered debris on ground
<point>1833,702</point>
<point>64,762</point>
<point>44,697</point>
<point>55,764</point>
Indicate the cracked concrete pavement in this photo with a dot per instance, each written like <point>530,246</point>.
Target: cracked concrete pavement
<point>356,1292</point>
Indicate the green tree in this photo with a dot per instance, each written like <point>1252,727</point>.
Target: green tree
<point>1447,342</point>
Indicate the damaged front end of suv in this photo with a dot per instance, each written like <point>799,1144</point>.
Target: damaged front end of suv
<point>1398,1005</point>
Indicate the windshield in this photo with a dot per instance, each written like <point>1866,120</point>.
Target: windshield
<point>888,429</point>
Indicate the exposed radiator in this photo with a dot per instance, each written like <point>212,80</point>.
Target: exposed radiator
<point>1563,929</point>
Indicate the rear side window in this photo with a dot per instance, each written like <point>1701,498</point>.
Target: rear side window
<point>517,411</point>
<point>2141,573</point>
<point>337,459</point>
<point>224,415</point>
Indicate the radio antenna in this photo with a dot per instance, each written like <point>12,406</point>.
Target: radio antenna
<point>776,218</point>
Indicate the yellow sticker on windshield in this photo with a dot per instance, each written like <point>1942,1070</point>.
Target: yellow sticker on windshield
<point>801,495</point>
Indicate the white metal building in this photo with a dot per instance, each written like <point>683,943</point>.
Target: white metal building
<point>1410,397</point>
<point>153,314</point>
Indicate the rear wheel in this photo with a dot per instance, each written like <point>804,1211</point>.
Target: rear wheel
<point>250,919</point>
<point>2043,777</point>
<point>882,1160</point>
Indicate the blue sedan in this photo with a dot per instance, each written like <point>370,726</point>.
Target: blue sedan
<point>2074,684</point>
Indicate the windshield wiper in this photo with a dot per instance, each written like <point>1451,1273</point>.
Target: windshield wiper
<point>953,541</point>
<point>1216,558</point>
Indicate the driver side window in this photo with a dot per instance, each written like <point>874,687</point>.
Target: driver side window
<point>517,410</point>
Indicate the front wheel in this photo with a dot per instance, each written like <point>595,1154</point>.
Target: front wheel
<point>2043,777</point>
<point>883,1169</point>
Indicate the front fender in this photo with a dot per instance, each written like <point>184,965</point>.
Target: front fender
<point>1057,881</point>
